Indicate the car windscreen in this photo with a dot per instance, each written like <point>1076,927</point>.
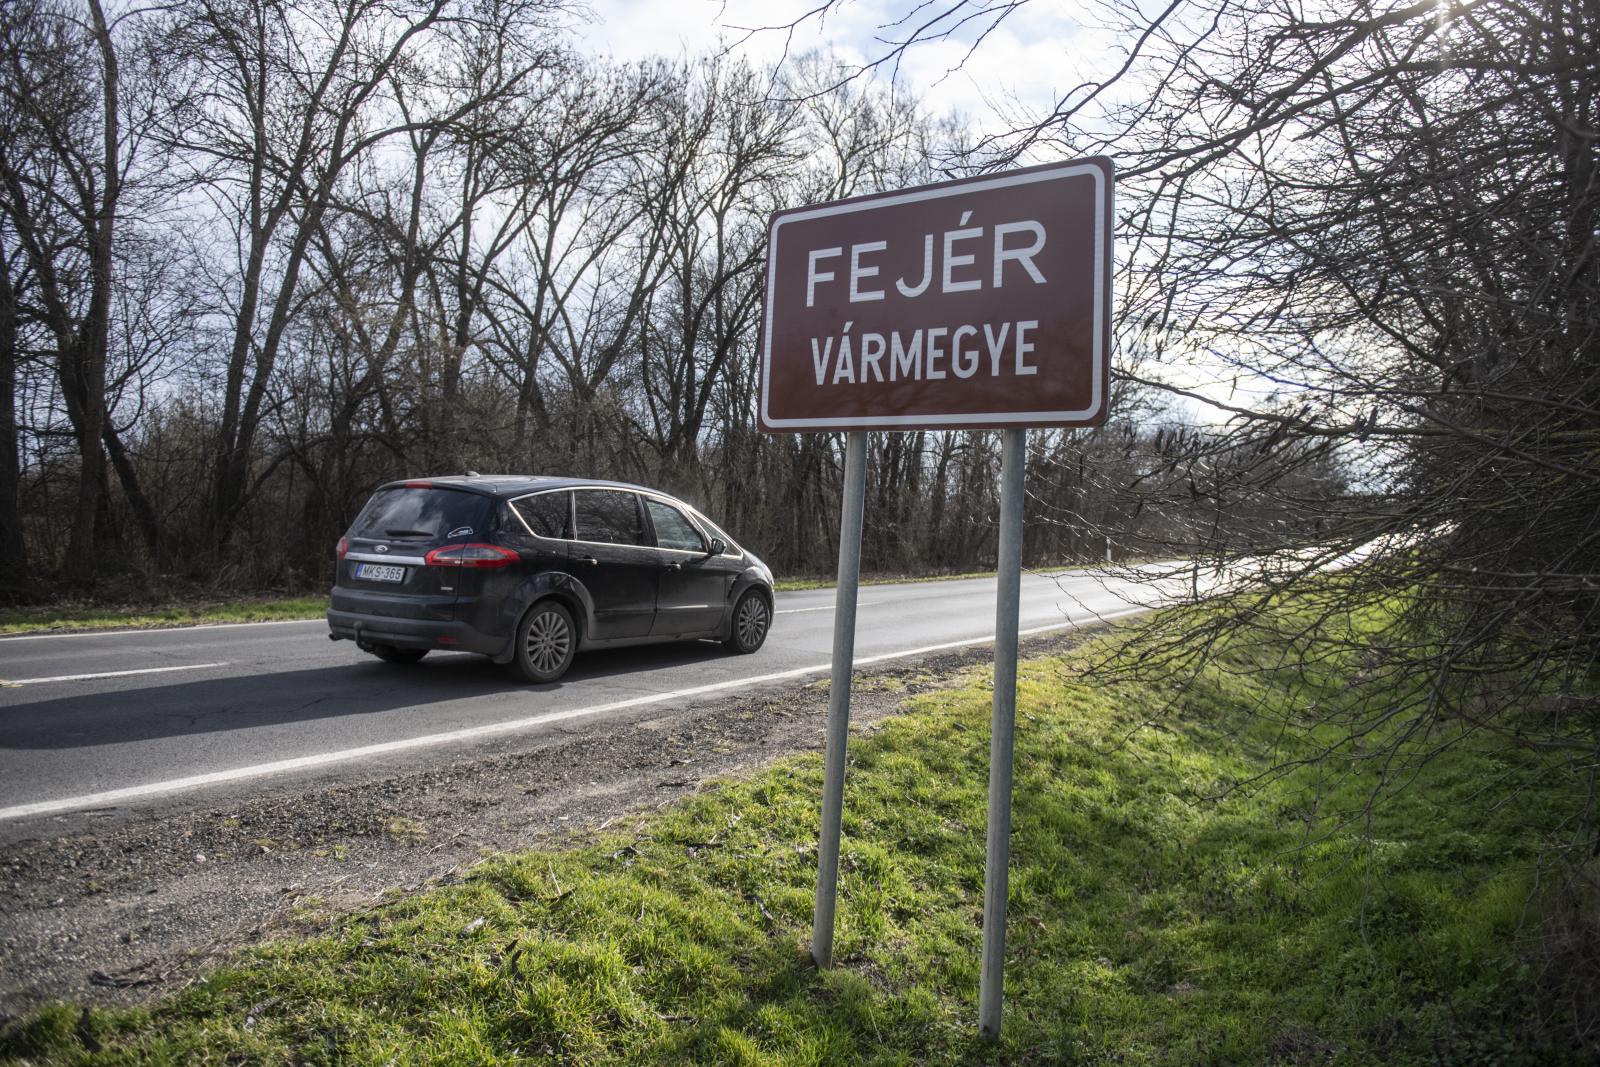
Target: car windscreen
<point>417,513</point>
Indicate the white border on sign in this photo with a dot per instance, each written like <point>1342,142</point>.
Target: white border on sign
<point>1097,385</point>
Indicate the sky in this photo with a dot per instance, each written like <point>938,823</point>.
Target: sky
<point>1024,59</point>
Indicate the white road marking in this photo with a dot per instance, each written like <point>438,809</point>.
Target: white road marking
<point>107,674</point>
<point>474,733</point>
<point>179,629</point>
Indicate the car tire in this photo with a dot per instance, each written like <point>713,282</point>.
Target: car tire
<point>390,654</point>
<point>752,618</point>
<point>547,641</point>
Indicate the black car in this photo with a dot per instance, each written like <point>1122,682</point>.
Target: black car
<point>528,570</point>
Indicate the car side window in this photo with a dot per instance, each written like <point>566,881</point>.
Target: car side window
<point>673,528</point>
<point>609,516</point>
<point>546,514</point>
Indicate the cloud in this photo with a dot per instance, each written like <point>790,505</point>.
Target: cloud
<point>1026,60</point>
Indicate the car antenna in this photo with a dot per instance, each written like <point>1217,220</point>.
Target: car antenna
<point>472,474</point>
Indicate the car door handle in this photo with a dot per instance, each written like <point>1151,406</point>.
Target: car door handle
<point>588,561</point>
<point>673,566</point>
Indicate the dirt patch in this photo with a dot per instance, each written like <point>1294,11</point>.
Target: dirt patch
<point>138,909</point>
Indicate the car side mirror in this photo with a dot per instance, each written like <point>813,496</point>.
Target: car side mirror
<point>718,547</point>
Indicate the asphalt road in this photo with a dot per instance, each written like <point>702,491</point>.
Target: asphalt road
<point>175,716</point>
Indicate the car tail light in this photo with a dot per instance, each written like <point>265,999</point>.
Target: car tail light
<point>343,547</point>
<point>475,555</point>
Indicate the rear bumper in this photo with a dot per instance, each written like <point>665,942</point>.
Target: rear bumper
<point>368,630</point>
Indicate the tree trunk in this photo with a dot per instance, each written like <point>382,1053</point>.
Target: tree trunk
<point>13,551</point>
<point>144,513</point>
<point>83,364</point>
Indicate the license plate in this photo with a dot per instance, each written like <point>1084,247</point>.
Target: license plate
<point>378,572</point>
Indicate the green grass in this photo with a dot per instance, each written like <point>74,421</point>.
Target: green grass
<point>1149,922</point>
<point>99,617</point>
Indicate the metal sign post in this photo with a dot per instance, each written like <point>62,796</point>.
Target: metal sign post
<point>844,651</point>
<point>996,877</point>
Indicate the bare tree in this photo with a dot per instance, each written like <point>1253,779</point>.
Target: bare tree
<point>563,302</point>
<point>743,150</point>
<point>62,165</point>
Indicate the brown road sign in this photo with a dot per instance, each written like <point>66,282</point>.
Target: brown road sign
<point>971,304</point>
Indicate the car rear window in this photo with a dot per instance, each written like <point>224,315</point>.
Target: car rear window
<point>415,513</point>
<point>546,513</point>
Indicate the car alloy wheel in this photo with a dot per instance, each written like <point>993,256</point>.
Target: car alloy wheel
<point>549,640</point>
<point>546,643</point>
<point>750,622</point>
